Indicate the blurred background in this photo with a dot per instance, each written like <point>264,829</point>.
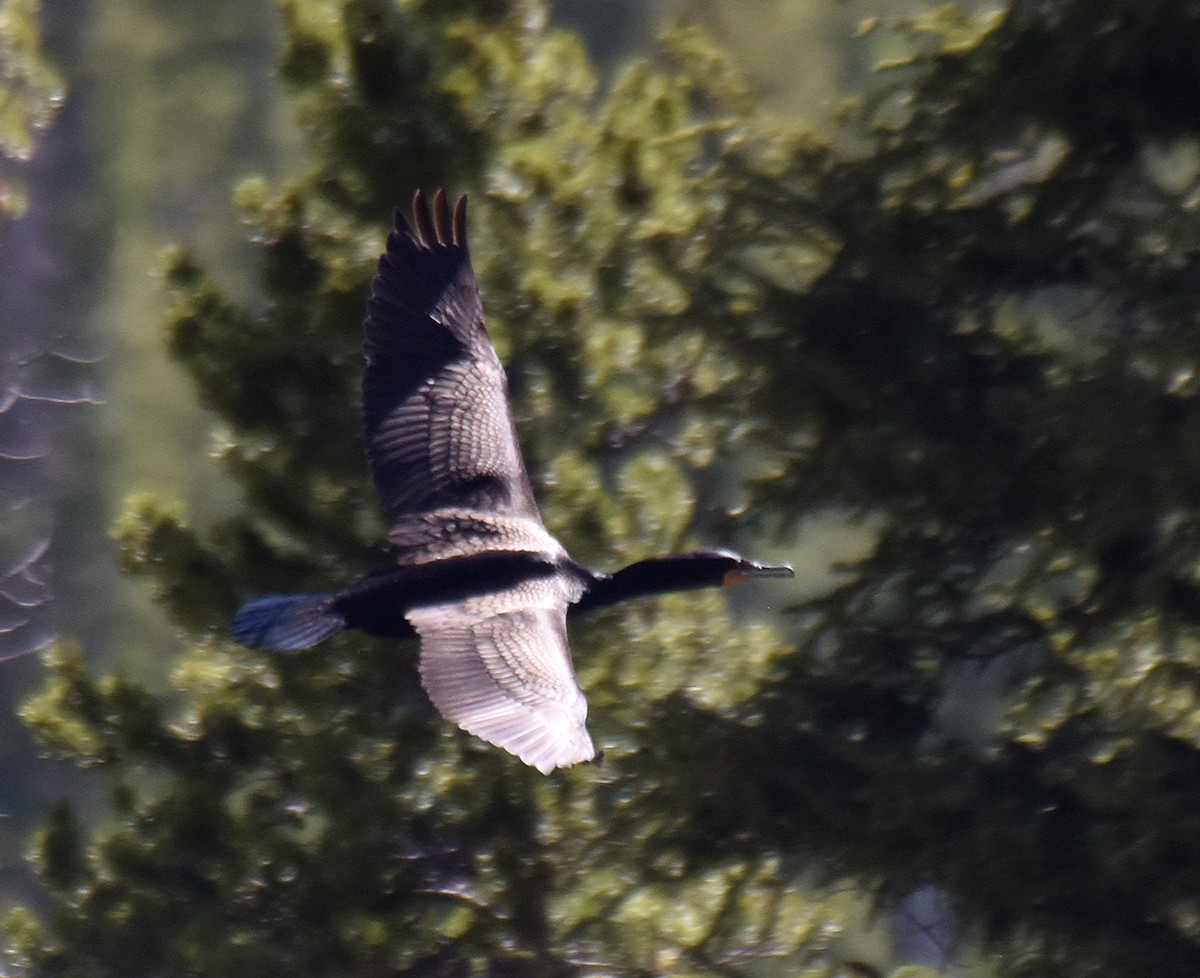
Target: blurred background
<point>153,112</point>
<point>129,128</point>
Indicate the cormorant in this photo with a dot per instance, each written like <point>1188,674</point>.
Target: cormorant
<point>476,576</point>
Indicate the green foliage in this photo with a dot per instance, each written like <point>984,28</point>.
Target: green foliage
<point>972,320</point>
<point>30,93</point>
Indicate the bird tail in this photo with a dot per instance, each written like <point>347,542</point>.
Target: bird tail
<point>287,621</point>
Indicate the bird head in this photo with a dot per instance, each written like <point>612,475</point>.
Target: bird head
<point>711,568</point>
<point>731,568</point>
<point>674,572</point>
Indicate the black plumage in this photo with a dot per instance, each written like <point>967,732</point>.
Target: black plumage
<point>476,575</point>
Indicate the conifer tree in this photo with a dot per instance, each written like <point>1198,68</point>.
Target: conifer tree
<point>971,328</point>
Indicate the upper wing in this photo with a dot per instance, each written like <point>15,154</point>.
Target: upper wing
<point>439,432</point>
<point>498,666</point>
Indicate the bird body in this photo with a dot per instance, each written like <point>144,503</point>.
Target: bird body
<point>476,576</point>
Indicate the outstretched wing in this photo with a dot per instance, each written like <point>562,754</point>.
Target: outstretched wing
<point>439,432</point>
<point>498,666</point>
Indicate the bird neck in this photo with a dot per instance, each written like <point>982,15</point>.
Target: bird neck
<point>656,575</point>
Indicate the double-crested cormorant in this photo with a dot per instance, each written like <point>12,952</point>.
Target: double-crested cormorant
<point>476,577</point>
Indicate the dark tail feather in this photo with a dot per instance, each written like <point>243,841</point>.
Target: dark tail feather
<point>287,621</point>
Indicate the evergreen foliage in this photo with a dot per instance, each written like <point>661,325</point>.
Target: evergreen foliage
<point>30,94</point>
<point>972,326</point>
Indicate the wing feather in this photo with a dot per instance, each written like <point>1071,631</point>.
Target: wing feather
<point>498,665</point>
<point>439,430</point>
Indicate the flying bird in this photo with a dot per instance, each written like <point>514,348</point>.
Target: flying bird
<point>476,577</point>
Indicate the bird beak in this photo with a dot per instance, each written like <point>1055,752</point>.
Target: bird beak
<point>769,570</point>
<point>758,570</point>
